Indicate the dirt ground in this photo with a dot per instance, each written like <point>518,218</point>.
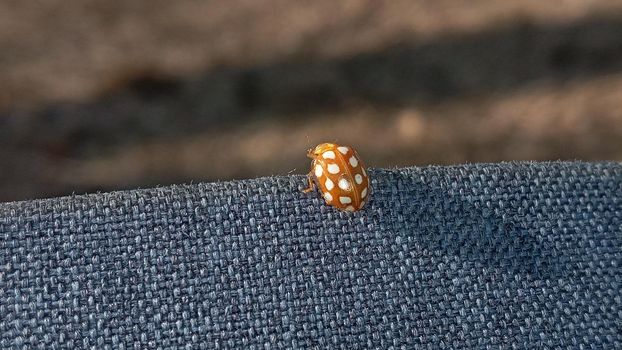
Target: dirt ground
<point>103,95</point>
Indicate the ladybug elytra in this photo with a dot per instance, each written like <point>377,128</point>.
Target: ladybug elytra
<point>340,175</point>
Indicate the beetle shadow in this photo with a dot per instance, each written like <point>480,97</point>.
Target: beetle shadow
<point>438,219</point>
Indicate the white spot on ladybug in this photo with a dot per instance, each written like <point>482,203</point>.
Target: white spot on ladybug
<point>318,170</point>
<point>328,197</point>
<point>345,200</point>
<point>349,208</point>
<point>333,168</point>
<point>364,193</point>
<point>358,178</point>
<point>328,155</point>
<point>329,184</point>
<point>343,149</point>
<point>344,184</point>
<point>364,172</point>
<point>353,161</point>
<point>362,204</point>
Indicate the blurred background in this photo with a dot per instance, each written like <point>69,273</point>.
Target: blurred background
<point>106,95</point>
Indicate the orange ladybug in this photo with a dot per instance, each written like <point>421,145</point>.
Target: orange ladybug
<point>340,175</point>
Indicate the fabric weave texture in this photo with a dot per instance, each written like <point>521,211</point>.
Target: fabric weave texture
<point>488,256</point>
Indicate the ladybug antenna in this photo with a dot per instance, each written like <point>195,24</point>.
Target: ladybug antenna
<point>309,147</point>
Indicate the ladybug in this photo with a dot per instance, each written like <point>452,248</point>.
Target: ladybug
<point>340,175</point>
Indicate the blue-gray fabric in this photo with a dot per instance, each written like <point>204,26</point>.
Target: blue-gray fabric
<point>513,255</point>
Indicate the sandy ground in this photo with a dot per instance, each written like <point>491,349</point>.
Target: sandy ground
<point>102,95</point>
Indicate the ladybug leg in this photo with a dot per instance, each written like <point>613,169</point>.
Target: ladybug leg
<point>311,186</point>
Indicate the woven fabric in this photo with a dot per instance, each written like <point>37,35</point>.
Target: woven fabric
<point>517,255</point>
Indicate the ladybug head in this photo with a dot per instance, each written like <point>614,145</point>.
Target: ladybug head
<point>319,149</point>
